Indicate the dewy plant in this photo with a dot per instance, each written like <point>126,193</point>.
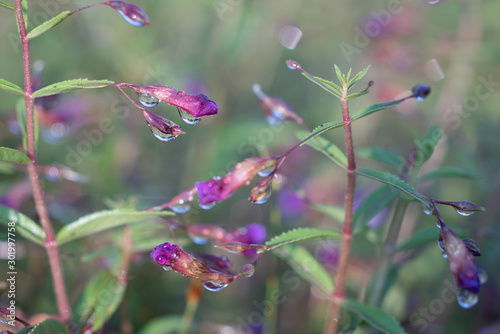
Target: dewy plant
<point>90,313</point>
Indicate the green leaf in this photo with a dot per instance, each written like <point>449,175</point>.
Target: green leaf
<point>372,204</point>
<point>332,151</point>
<point>384,155</point>
<point>49,326</point>
<point>103,220</point>
<point>24,6</point>
<point>355,95</point>
<point>163,325</point>
<point>358,77</point>
<point>340,76</point>
<point>307,267</point>
<point>322,129</point>
<point>10,87</point>
<point>376,317</point>
<point>449,171</point>
<point>69,85</point>
<point>6,5</point>
<point>300,234</point>
<point>393,181</point>
<point>337,213</point>
<point>48,24</point>
<point>12,155</point>
<point>102,296</point>
<point>426,144</point>
<point>374,108</point>
<point>419,239</point>
<point>327,85</point>
<point>24,226</point>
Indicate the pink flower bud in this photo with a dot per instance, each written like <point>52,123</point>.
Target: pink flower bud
<point>162,128</point>
<point>275,109</point>
<point>131,13</point>
<point>261,192</point>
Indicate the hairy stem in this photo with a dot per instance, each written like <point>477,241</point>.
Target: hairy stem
<point>51,246</point>
<point>338,294</point>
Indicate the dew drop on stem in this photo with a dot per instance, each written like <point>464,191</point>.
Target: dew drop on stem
<point>147,100</point>
<point>466,299</point>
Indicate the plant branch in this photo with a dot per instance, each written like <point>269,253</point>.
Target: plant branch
<point>338,294</point>
<point>50,240</point>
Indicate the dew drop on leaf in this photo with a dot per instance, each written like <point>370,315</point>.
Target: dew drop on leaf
<point>214,286</point>
<point>148,100</point>
<point>483,275</point>
<point>466,299</point>
<point>187,117</point>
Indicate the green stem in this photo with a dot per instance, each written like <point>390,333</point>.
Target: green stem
<point>50,240</point>
<point>345,247</point>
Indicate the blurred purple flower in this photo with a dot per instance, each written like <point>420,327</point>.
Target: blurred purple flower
<point>133,14</point>
<point>275,109</point>
<point>290,204</point>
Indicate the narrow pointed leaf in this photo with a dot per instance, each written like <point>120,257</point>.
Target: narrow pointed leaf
<point>327,85</point>
<point>393,181</point>
<point>70,85</point>
<point>10,87</point>
<point>304,264</point>
<point>49,326</point>
<point>322,129</point>
<point>26,227</point>
<point>449,171</point>
<point>376,317</point>
<point>348,76</point>
<point>340,76</point>
<point>164,325</point>
<point>337,213</point>
<point>301,234</point>
<point>99,301</point>
<point>426,144</point>
<point>419,239</point>
<point>48,24</point>
<point>376,107</point>
<point>358,77</point>
<point>332,151</point>
<point>12,155</point>
<point>387,156</point>
<point>372,204</point>
<point>355,95</point>
<point>6,5</point>
<point>331,84</point>
<point>104,220</point>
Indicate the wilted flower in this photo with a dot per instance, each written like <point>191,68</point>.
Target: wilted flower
<point>131,13</point>
<point>464,208</point>
<point>275,109</point>
<point>461,265</point>
<point>220,188</point>
<point>173,257</point>
<point>196,105</point>
<point>420,92</point>
<point>162,128</point>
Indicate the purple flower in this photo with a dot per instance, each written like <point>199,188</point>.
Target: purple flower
<point>220,188</point>
<point>131,13</point>
<point>162,128</point>
<point>196,105</point>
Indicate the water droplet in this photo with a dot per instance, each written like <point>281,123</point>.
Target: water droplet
<point>483,275</point>
<point>162,135</point>
<point>466,299</point>
<point>207,206</point>
<point>167,268</point>
<point>187,117</point>
<point>248,270</point>
<point>464,213</point>
<point>433,2</point>
<point>181,207</point>
<point>148,100</point>
<point>198,240</point>
<point>292,64</point>
<point>266,170</point>
<point>442,247</point>
<point>427,210</point>
<point>419,99</point>
<point>214,286</point>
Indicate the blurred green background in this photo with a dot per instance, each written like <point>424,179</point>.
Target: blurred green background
<point>222,48</point>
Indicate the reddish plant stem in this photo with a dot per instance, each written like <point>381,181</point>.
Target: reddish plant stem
<point>338,294</point>
<point>50,240</point>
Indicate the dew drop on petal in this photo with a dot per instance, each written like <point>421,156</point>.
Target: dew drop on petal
<point>248,270</point>
<point>483,275</point>
<point>214,286</point>
<point>466,299</point>
<point>198,240</point>
<point>292,64</point>
<point>187,117</point>
<point>148,100</point>
<point>464,213</point>
<point>167,268</point>
<point>161,135</point>
<point>266,170</point>
<point>207,206</point>
<point>181,207</point>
